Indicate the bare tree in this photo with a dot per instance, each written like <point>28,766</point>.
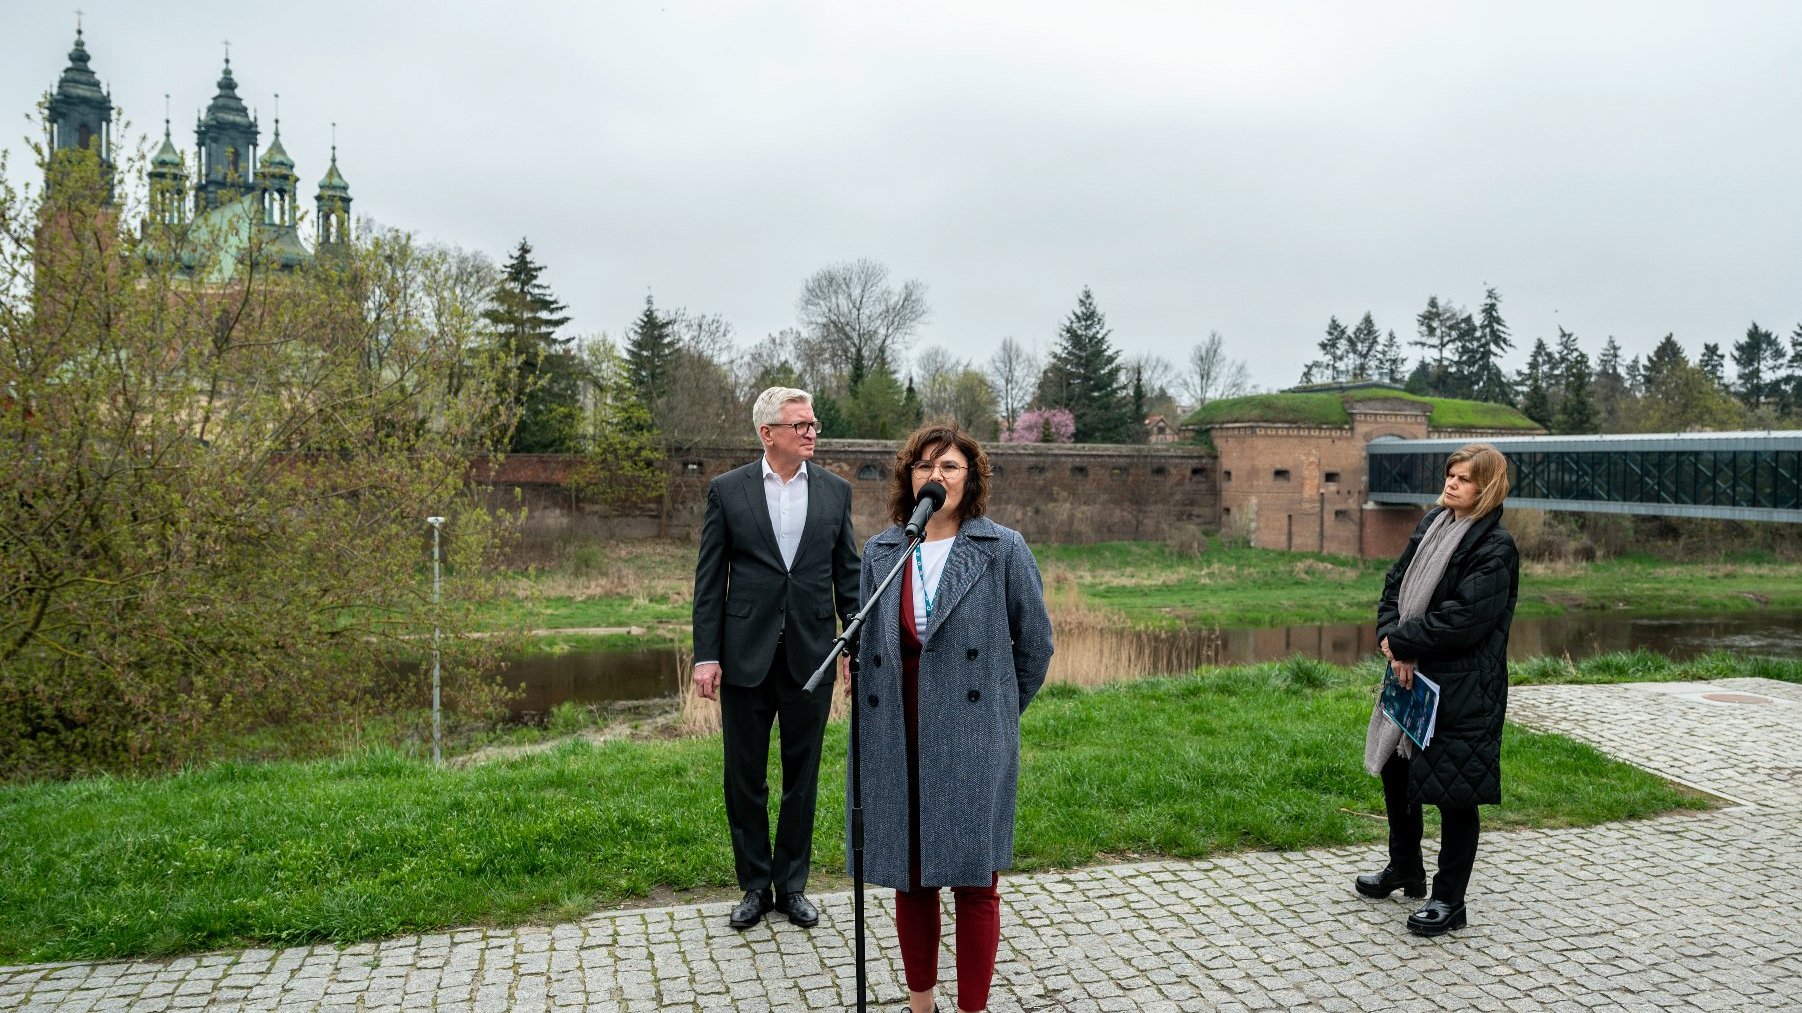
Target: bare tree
<point>951,388</point>
<point>1212,375</point>
<point>772,362</point>
<point>1157,373</point>
<point>703,404</point>
<point>457,284</point>
<point>1158,379</point>
<point>1014,371</point>
<point>858,316</point>
<point>935,378</point>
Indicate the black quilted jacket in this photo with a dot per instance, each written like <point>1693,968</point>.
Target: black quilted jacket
<point>1461,643</point>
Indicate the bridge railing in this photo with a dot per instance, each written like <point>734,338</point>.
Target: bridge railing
<point>1740,476</point>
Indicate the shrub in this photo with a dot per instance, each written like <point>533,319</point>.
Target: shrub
<point>216,491</point>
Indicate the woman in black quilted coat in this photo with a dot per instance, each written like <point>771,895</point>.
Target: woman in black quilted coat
<point>1445,611</point>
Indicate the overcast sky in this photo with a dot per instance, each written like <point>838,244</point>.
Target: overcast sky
<point>1251,168</point>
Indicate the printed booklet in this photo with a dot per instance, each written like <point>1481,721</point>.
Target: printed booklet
<point>1415,711</point>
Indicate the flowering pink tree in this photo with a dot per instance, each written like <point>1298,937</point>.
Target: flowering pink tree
<point>1041,425</point>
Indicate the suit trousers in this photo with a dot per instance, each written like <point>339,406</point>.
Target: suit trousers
<point>1458,826</point>
<point>746,713</point>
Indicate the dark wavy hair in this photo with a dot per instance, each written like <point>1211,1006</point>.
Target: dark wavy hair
<point>929,443</point>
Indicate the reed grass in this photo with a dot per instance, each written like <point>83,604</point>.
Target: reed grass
<point>699,716</point>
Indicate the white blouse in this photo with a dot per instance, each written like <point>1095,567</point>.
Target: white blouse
<point>931,559</point>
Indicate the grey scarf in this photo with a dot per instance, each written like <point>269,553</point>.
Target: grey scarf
<point>1384,737</point>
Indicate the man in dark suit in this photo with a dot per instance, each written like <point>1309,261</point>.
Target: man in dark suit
<point>778,564</point>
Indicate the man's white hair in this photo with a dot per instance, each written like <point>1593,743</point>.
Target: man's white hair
<point>768,409</point>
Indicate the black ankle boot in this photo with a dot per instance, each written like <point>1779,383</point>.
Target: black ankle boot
<point>1413,884</point>
<point>1437,918</point>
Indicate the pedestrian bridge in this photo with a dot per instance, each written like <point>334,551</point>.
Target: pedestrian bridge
<point>1749,476</point>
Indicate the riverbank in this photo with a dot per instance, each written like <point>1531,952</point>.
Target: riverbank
<point>1254,757</point>
<point>649,584</point>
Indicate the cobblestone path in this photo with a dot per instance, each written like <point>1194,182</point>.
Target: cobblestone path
<point>1687,912</point>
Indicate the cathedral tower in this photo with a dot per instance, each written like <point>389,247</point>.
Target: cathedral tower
<point>228,144</point>
<point>168,185</point>
<point>333,215</point>
<point>81,114</point>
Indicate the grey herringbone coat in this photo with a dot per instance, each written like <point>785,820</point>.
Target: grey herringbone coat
<point>983,655</point>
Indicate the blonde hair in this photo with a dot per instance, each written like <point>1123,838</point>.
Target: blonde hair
<point>1488,472</point>
<point>768,409</point>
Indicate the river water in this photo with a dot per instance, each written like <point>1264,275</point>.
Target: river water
<point>606,676</point>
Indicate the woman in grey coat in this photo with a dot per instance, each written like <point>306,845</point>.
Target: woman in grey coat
<point>950,656</point>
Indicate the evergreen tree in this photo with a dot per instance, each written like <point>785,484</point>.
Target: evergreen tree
<point>1568,350</point>
<point>1680,398</point>
<point>1459,377</point>
<point>1084,376</point>
<point>877,407</point>
<point>912,412</point>
<point>1576,412</point>
<point>623,463</point>
<point>1713,363</point>
<point>825,411</point>
<point>1335,351</point>
<point>1435,337</point>
<point>1535,402</point>
<point>1483,367</point>
<point>1759,362</point>
<point>651,356</point>
<point>1610,389</point>
<point>1665,361</point>
<point>1363,350</point>
<point>1420,381</point>
<point>1138,406</point>
<point>1394,365</point>
<point>1792,378</point>
<point>1609,364</point>
<point>546,385</point>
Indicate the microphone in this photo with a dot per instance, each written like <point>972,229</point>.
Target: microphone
<point>932,496</point>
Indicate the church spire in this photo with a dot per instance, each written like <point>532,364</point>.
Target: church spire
<point>168,180</point>
<point>276,180</point>
<point>333,203</point>
<point>228,141</point>
<point>80,112</point>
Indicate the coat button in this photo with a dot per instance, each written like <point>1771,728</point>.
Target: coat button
<point>874,699</point>
<point>876,659</point>
<point>971,654</point>
<point>975,695</point>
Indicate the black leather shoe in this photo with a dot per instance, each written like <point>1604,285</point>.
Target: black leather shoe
<point>1436,919</point>
<point>750,910</point>
<point>1413,884</point>
<point>798,909</point>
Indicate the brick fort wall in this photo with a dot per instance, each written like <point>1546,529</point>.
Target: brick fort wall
<point>1051,493</point>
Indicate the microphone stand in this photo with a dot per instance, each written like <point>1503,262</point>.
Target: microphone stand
<point>855,767</point>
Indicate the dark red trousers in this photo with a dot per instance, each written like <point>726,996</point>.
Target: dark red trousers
<point>978,908</point>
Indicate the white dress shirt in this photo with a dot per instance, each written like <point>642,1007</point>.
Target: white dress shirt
<point>788,508</point>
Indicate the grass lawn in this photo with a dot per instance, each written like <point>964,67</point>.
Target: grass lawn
<point>255,854</point>
<point>1323,408</point>
<point>1236,586</point>
<point>645,583</point>
<point>648,584</point>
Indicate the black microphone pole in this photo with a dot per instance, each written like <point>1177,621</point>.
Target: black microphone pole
<point>931,497</point>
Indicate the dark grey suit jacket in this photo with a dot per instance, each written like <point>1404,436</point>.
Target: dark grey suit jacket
<point>744,595</point>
